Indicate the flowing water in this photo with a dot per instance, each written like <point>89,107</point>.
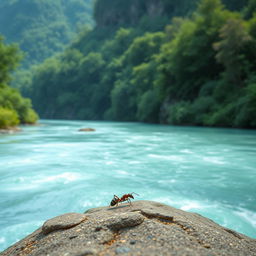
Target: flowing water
<point>52,169</point>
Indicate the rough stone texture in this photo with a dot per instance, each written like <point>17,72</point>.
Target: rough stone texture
<point>144,228</point>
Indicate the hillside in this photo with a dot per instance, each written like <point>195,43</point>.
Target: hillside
<point>131,12</point>
<point>42,28</point>
<point>156,61</point>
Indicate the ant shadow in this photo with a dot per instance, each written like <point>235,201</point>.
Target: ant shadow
<point>118,207</point>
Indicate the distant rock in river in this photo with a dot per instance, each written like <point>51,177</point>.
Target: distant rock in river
<point>86,130</point>
<point>145,228</point>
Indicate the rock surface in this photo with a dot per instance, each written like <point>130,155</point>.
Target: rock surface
<point>144,228</point>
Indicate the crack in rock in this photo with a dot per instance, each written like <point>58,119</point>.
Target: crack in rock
<point>162,217</point>
<point>232,232</point>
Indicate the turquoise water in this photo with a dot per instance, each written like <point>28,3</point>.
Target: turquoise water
<point>52,169</point>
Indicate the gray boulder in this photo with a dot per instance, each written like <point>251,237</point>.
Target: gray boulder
<point>144,228</point>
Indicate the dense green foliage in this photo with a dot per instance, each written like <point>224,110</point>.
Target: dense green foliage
<point>14,109</point>
<point>42,27</point>
<point>141,63</point>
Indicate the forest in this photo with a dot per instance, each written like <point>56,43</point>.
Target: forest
<point>183,62</point>
<point>42,28</point>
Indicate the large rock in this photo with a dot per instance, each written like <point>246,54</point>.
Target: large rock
<point>144,228</point>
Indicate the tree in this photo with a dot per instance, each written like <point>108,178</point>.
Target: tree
<point>250,9</point>
<point>230,50</point>
<point>188,60</point>
<point>9,58</point>
<point>13,107</point>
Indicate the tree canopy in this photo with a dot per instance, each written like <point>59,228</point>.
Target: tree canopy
<point>152,66</point>
<point>43,27</point>
<point>14,109</point>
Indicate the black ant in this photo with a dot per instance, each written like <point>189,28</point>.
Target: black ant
<point>125,197</point>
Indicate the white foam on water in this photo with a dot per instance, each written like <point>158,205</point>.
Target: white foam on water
<point>27,161</point>
<point>29,183</point>
<point>247,215</point>
<point>65,177</point>
<point>87,204</point>
<point>167,181</point>
<point>91,204</point>
<point>134,162</point>
<point>2,240</point>
<point>63,154</point>
<point>199,206</point>
<point>164,157</point>
<point>109,163</point>
<point>20,187</point>
<point>182,204</point>
<point>187,151</point>
<point>20,162</point>
<point>125,173</point>
<point>214,160</point>
<point>191,205</point>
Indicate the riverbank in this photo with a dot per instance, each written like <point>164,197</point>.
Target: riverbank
<point>10,130</point>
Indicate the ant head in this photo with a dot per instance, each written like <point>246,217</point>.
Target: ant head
<point>131,196</point>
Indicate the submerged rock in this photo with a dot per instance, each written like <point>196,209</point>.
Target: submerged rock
<point>86,130</point>
<point>144,228</point>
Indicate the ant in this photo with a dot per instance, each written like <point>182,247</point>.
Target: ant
<point>125,197</point>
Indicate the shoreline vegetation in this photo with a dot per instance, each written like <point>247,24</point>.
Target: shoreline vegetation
<point>14,109</point>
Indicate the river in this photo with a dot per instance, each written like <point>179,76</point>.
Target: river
<point>51,169</point>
